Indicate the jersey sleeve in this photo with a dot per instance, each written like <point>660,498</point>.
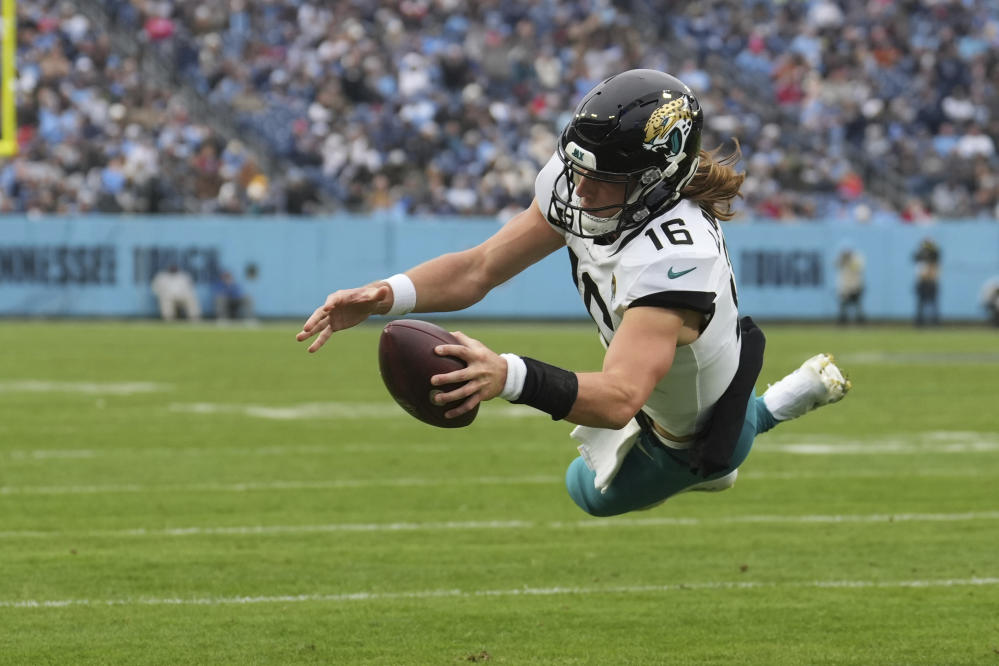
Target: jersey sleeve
<point>676,276</point>
<point>687,283</point>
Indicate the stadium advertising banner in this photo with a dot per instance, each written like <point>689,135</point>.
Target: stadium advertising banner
<point>103,266</point>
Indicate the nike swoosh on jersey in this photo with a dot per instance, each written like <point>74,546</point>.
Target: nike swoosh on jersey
<point>673,275</point>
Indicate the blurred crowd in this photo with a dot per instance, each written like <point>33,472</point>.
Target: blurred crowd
<point>95,134</point>
<point>911,87</point>
<point>856,109</point>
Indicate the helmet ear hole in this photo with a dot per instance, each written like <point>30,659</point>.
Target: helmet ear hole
<point>651,176</point>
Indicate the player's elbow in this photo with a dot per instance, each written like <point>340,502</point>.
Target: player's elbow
<point>630,395</point>
<point>619,412</point>
<point>479,287</point>
<point>608,399</point>
<point>618,419</point>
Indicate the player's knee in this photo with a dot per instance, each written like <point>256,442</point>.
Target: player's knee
<point>579,483</point>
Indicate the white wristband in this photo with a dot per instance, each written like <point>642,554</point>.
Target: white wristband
<point>403,295</point>
<point>516,374</point>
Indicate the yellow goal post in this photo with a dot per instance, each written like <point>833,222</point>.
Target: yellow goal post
<point>8,77</point>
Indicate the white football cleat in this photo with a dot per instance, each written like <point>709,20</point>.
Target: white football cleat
<point>816,383</point>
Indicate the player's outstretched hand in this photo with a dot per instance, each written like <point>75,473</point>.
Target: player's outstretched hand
<point>343,309</point>
<point>482,379</point>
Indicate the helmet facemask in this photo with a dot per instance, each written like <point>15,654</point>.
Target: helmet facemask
<point>643,193</point>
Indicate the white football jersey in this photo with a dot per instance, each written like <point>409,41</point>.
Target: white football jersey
<point>677,259</point>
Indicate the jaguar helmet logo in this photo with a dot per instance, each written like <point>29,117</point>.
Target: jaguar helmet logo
<point>668,127</point>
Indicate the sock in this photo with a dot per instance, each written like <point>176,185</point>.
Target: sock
<point>765,420</point>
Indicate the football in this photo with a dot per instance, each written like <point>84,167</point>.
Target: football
<point>407,361</point>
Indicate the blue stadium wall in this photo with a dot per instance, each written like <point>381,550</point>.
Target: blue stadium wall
<point>102,266</point>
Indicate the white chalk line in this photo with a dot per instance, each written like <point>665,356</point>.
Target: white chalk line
<point>825,444</point>
<point>473,525</point>
<point>525,591</point>
<point>251,486</point>
<point>939,441</point>
<point>88,388</point>
<point>334,410</point>
<point>219,451</point>
<point>878,448</point>
<point>830,449</point>
<point>917,358</point>
<point>354,484</point>
<point>331,449</point>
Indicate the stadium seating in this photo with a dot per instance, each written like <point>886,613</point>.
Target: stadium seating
<point>849,110</point>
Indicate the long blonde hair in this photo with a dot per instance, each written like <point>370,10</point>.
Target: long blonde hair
<point>716,183</point>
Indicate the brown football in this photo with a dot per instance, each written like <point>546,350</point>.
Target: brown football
<point>407,361</point>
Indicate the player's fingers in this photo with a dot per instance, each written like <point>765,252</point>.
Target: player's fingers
<point>458,351</point>
<point>458,393</point>
<point>324,335</point>
<point>308,331</point>
<point>463,408</point>
<point>312,322</point>
<point>439,398</point>
<point>455,377</point>
<point>464,339</point>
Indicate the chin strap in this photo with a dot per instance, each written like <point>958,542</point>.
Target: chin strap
<point>598,226</point>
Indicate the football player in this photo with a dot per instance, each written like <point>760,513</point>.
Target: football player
<point>637,203</point>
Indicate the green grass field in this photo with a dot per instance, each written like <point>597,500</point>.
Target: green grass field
<point>177,495</point>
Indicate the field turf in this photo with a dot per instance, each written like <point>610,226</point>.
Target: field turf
<point>215,495</point>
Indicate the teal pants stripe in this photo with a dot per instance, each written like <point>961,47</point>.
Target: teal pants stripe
<point>651,474</point>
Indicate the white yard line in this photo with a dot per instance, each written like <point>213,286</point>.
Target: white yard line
<point>250,486</point>
<point>424,482</point>
<point>894,474</point>
<point>510,592</point>
<point>917,358</point>
<point>300,450</point>
<point>933,441</point>
<point>472,525</point>
<point>872,449</point>
<point>332,410</point>
<point>89,388</point>
<point>348,484</point>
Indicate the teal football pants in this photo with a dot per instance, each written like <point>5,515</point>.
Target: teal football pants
<point>651,473</point>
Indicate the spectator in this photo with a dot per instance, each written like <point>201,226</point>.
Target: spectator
<point>850,285</point>
<point>231,300</point>
<point>927,260</point>
<point>174,291</point>
<point>990,299</point>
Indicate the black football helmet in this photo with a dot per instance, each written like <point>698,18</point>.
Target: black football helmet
<point>640,128</point>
